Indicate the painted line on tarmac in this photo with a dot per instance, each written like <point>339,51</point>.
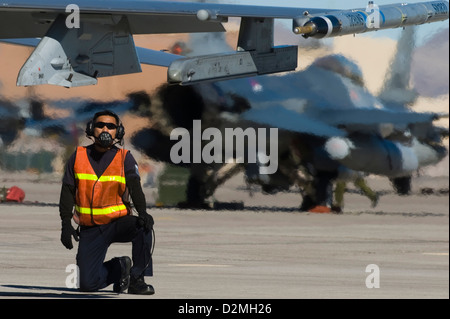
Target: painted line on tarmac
<point>198,265</point>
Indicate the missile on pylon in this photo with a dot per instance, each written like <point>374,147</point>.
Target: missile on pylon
<point>257,55</point>
<point>373,18</point>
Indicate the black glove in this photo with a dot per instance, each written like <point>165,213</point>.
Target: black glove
<point>146,220</point>
<point>67,231</point>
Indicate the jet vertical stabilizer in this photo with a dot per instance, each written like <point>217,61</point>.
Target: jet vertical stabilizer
<point>397,92</point>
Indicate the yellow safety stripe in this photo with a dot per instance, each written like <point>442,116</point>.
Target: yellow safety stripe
<point>100,211</point>
<point>93,177</point>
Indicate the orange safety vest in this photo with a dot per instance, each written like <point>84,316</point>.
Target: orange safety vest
<point>99,200</point>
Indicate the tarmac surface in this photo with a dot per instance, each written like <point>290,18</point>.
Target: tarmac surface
<point>268,250</point>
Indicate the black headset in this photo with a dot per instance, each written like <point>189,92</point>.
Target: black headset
<point>120,129</point>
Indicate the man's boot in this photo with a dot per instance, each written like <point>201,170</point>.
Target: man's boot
<point>139,287</point>
<point>124,281</point>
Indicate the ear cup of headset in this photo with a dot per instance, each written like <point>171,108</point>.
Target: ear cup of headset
<point>90,128</point>
<point>120,132</point>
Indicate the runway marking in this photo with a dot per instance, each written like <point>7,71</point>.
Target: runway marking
<point>165,218</point>
<point>198,265</point>
<point>435,254</point>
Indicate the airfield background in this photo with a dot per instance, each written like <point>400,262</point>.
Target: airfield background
<point>36,155</point>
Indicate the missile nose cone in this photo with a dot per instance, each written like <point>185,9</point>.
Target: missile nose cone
<point>338,147</point>
<point>307,29</point>
<point>203,15</point>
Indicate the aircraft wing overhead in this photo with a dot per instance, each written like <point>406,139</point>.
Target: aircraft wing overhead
<point>28,42</point>
<point>145,16</point>
<point>146,56</point>
<point>152,57</point>
<point>85,39</point>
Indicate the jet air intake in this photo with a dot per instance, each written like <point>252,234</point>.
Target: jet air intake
<point>372,18</point>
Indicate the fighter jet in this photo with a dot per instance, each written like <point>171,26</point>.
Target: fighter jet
<point>79,43</point>
<point>67,129</point>
<point>328,123</point>
<point>29,116</point>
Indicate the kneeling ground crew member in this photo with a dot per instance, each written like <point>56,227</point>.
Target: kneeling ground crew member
<point>98,181</point>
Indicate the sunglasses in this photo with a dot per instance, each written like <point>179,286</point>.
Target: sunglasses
<point>109,126</point>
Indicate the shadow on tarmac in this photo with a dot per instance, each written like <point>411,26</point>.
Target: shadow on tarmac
<point>43,292</point>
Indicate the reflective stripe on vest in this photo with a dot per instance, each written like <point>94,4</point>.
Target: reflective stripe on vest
<point>99,199</point>
<point>93,177</point>
<point>100,211</point>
